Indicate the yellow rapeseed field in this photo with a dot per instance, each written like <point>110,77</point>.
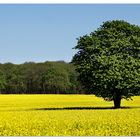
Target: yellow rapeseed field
<point>67,115</point>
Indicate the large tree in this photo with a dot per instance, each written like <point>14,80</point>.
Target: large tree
<point>108,61</point>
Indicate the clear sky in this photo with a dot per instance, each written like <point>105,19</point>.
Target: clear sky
<point>48,32</point>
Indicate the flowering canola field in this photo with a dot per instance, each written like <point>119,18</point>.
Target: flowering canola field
<point>67,115</point>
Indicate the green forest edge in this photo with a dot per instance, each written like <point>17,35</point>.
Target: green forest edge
<point>39,78</point>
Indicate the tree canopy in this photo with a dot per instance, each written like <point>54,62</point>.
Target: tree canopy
<point>39,78</point>
<point>108,61</point>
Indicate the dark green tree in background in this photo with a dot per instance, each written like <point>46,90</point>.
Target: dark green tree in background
<point>2,81</point>
<point>39,78</point>
<point>55,79</point>
<point>108,61</point>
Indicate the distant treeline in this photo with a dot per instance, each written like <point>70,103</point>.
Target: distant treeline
<point>39,78</point>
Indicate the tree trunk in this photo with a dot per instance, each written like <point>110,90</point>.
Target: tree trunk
<point>117,102</point>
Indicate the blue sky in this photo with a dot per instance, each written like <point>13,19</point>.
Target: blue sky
<point>48,32</point>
